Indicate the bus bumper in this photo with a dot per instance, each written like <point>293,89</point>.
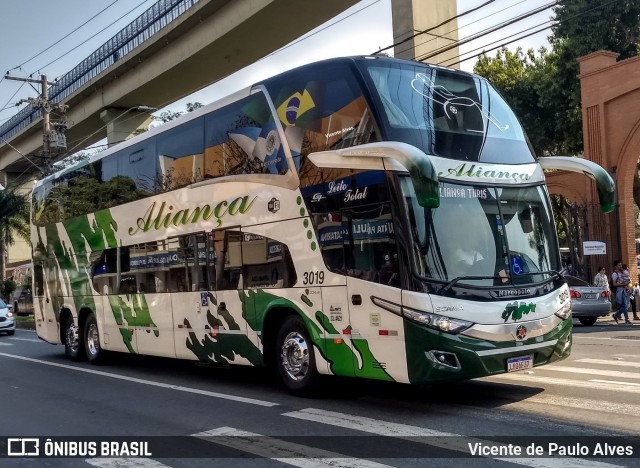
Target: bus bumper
<point>437,356</point>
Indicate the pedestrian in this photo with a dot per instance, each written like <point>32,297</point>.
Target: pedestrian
<point>601,280</point>
<point>619,281</point>
<point>635,294</point>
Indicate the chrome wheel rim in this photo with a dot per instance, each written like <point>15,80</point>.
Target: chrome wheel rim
<point>72,338</point>
<point>93,340</point>
<point>295,356</point>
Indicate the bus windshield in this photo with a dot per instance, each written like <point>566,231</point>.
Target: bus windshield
<point>500,235</point>
<point>446,113</point>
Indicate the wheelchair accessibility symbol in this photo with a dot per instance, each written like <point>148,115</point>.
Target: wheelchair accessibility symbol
<point>517,265</point>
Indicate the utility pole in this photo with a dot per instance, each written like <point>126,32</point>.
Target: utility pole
<point>56,139</point>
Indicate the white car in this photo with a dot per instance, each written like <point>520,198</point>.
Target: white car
<point>7,323</point>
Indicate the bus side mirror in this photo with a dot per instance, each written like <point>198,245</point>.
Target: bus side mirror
<point>604,183</point>
<point>401,155</point>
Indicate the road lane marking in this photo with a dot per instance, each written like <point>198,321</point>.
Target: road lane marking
<point>5,344</point>
<point>609,362</point>
<point>445,440</point>
<point>179,388</point>
<point>26,339</point>
<point>283,451</point>
<point>125,463</point>
<point>631,384</point>
<point>603,372</point>
<point>530,379</point>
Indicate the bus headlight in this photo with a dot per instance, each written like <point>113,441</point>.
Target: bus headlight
<point>435,321</point>
<point>565,311</point>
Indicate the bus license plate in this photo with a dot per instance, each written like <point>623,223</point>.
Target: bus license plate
<point>519,363</point>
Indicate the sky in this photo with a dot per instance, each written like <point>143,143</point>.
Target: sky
<point>39,37</point>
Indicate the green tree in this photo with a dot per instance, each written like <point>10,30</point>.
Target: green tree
<point>550,86</point>
<point>550,81</point>
<point>14,222</point>
<point>6,288</point>
<point>521,77</point>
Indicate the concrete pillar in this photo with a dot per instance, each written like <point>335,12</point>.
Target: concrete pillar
<point>413,16</point>
<point>123,124</point>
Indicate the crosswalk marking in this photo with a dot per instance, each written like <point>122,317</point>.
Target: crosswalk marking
<point>125,463</point>
<point>608,362</point>
<point>603,372</point>
<point>581,403</point>
<point>430,437</point>
<point>611,338</point>
<point>631,384</point>
<point>284,451</point>
<point>592,384</point>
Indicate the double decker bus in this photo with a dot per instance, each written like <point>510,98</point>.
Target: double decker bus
<point>365,217</point>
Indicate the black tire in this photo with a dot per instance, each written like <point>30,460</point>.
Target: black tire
<point>93,349</point>
<point>587,321</point>
<point>294,356</point>
<point>73,342</point>
<point>11,332</point>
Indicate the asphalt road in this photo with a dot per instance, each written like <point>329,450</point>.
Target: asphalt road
<point>242,417</point>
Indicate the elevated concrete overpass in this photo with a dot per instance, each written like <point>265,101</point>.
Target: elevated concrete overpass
<point>209,40</point>
<point>180,46</point>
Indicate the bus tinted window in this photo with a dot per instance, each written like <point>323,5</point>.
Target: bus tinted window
<point>180,153</point>
<point>242,139</point>
<point>446,113</point>
<point>321,108</point>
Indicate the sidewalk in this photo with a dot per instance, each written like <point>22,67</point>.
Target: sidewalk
<point>609,319</point>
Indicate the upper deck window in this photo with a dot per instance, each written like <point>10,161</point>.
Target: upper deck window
<point>446,113</point>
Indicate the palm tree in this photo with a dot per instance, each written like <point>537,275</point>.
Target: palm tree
<point>14,221</point>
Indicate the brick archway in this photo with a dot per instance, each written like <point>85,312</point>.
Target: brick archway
<point>611,134</point>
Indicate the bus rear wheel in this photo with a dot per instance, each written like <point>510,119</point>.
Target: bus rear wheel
<point>93,349</point>
<point>295,359</point>
<point>73,343</point>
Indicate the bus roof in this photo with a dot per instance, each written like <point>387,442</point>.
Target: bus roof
<point>244,92</point>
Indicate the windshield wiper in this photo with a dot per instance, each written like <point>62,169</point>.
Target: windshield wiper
<point>453,282</point>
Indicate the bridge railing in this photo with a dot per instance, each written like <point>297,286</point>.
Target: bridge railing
<point>161,14</point>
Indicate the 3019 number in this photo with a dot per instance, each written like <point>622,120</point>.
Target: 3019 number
<point>313,277</point>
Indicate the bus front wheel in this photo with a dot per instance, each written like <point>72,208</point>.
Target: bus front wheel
<point>73,344</point>
<point>94,351</point>
<point>295,358</point>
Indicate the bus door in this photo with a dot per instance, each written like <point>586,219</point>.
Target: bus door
<point>373,292</point>
<point>229,326</point>
<point>191,281</point>
<point>46,316</point>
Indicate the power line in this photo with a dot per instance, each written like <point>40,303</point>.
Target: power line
<point>500,45</point>
<point>486,31</point>
<point>552,21</point>
<point>459,28</point>
<point>87,40</point>
<point>64,37</point>
<point>443,62</point>
<point>434,27</point>
<point>6,104</point>
<point>304,38</point>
